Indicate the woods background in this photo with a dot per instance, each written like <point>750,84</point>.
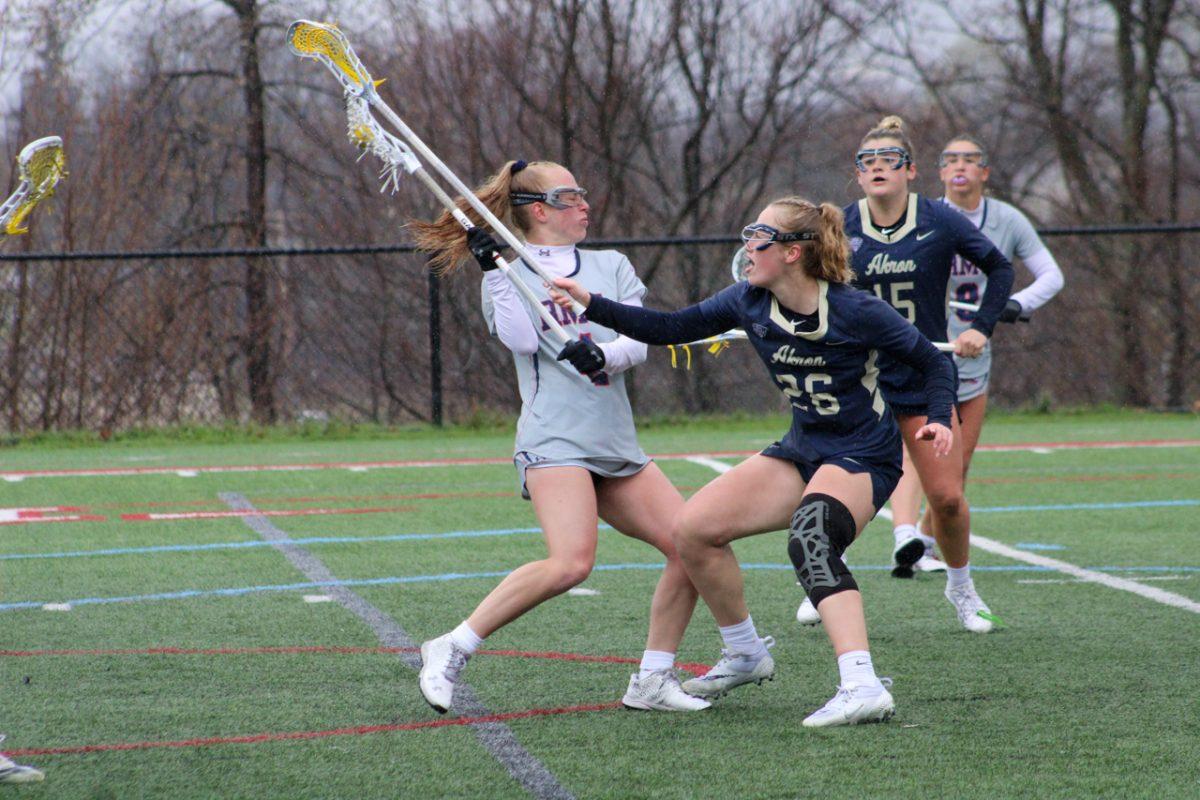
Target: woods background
<point>190,125</point>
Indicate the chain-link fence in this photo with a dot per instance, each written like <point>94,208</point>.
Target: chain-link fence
<point>112,341</point>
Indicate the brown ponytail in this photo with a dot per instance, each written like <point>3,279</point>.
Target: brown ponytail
<point>827,257</point>
<point>447,240</point>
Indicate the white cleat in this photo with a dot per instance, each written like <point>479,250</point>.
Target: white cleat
<point>906,554</point>
<point>972,612</point>
<point>733,670</point>
<point>854,705</point>
<point>12,772</point>
<point>441,661</point>
<point>930,562</point>
<point>660,691</point>
<point>807,613</point>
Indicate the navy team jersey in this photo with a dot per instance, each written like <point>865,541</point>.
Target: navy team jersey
<point>910,270</point>
<point>826,364</point>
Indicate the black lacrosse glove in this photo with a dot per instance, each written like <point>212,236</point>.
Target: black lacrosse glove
<point>1013,312</point>
<point>483,247</point>
<point>584,355</point>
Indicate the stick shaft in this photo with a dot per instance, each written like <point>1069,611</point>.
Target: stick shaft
<point>522,287</point>
<point>430,157</point>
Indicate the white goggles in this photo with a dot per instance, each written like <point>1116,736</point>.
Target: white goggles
<point>949,157</point>
<point>558,197</point>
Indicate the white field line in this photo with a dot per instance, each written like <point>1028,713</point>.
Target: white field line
<point>992,546</point>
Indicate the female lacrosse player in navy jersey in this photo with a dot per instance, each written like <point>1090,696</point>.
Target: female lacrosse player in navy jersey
<point>903,248</point>
<point>821,341</point>
<point>577,454</point>
<point>964,173</point>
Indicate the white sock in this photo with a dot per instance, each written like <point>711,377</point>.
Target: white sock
<point>903,533</point>
<point>743,639</point>
<point>856,669</point>
<point>466,639</point>
<point>655,660</point>
<point>957,576</point>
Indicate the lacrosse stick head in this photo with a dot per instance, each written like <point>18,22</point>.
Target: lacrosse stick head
<point>370,137</point>
<point>41,164</point>
<point>324,42</point>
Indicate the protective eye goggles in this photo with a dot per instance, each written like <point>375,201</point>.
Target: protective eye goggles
<point>949,157</point>
<point>759,236</point>
<point>558,197</point>
<point>894,157</point>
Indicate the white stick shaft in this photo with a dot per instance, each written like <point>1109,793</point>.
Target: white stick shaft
<point>961,306</point>
<point>415,141</point>
<point>522,287</point>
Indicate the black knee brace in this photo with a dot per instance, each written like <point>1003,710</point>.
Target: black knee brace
<point>822,529</point>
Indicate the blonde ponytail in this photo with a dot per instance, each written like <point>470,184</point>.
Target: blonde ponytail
<point>827,258</point>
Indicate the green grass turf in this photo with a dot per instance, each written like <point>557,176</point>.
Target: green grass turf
<point>1089,691</point>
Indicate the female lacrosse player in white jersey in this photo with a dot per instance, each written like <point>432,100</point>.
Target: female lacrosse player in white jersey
<point>577,454</point>
<point>964,173</point>
<point>827,477</point>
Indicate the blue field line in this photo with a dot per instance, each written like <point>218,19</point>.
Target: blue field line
<point>458,576</point>
<point>187,548</point>
<point>1085,506</point>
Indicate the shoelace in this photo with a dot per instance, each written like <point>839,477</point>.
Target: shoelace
<point>458,660</point>
<point>728,655</point>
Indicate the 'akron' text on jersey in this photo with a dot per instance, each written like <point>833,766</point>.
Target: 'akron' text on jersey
<point>787,355</point>
<point>882,265</point>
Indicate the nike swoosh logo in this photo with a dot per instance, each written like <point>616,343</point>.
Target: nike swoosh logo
<point>923,236</point>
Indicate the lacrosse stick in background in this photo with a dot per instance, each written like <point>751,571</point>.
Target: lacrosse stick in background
<point>41,164</point>
<point>330,46</point>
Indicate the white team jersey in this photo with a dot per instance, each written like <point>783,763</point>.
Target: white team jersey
<point>1013,235</point>
<point>563,415</point>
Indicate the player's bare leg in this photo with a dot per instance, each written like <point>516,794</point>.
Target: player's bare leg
<point>644,506</point>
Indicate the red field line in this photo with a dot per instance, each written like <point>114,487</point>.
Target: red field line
<point>293,512</point>
<point>17,475</point>
<point>65,518</point>
<point>283,501</point>
<point>695,669</point>
<point>358,730</point>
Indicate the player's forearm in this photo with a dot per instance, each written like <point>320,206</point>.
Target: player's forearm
<point>1047,281</point>
<point>1000,279</point>
<point>653,327</point>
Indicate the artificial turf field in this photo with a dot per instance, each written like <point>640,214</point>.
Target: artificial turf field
<point>190,665</point>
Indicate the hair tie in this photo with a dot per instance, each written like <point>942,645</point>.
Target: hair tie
<point>517,166</point>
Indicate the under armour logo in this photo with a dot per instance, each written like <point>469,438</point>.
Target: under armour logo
<point>543,251</point>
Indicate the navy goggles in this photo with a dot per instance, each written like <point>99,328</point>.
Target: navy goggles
<point>760,236</point>
<point>558,197</point>
<point>894,157</point>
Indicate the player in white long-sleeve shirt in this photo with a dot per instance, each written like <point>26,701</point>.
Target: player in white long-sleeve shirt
<point>964,173</point>
<point>576,453</point>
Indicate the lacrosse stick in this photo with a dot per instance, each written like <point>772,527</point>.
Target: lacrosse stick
<point>41,164</point>
<point>330,46</point>
<point>370,137</point>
